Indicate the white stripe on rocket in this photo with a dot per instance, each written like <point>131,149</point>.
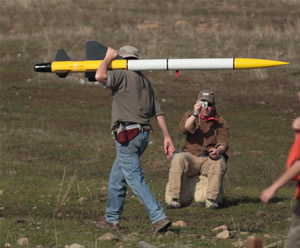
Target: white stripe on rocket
<point>179,64</point>
<point>195,64</point>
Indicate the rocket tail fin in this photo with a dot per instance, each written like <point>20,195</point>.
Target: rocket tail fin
<point>95,51</point>
<point>61,55</point>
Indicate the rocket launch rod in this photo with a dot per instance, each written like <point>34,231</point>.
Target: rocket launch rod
<point>63,65</point>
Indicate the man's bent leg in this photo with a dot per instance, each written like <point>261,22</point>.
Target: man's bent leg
<point>134,175</point>
<point>215,170</point>
<point>116,193</point>
<point>182,163</point>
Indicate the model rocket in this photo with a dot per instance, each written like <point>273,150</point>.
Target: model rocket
<point>95,53</point>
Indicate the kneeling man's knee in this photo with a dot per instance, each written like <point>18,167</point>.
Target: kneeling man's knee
<point>178,163</point>
<point>218,166</point>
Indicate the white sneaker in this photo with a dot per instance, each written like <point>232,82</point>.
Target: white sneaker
<point>174,203</point>
<point>211,204</point>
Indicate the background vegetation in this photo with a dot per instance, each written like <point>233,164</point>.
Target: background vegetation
<point>56,147</point>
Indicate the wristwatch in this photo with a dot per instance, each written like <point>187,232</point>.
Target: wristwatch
<point>195,115</point>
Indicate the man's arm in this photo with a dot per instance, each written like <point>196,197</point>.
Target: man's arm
<point>168,144</point>
<point>215,153</point>
<point>222,142</point>
<point>101,73</point>
<point>288,175</point>
<point>190,122</point>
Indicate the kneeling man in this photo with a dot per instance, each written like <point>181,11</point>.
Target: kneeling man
<point>204,151</point>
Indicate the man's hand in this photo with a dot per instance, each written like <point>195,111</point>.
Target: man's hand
<point>168,144</point>
<point>213,153</point>
<point>197,107</point>
<point>267,194</point>
<point>101,73</point>
<point>169,147</point>
<point>111,54</point>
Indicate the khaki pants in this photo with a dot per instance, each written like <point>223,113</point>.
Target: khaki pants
<point>189,165</point>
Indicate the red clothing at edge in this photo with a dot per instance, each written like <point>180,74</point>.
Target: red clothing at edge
<point>294,155</point>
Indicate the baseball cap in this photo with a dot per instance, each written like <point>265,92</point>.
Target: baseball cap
<point>206,95</point>
<point>129,52</point>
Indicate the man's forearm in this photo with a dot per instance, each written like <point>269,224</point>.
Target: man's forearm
<point>163,125</point>
<point>189,124</point>
<point>221,149</point>
<point>168,144</point>
<point>101,73</point>
<point>288,175</point>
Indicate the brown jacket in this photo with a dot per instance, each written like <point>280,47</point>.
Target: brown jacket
<point>205,136</point>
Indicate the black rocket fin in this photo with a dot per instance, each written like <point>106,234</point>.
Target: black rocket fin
<point>95,51</point>
<point>61,55</point>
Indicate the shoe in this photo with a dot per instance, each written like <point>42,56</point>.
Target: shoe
<point>211,204</point>
<point>161,226</point>
<point>104,224</point>
<point>174,203</point>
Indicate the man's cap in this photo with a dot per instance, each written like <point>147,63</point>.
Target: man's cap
<point>206,95</point>
<point>129,52</point>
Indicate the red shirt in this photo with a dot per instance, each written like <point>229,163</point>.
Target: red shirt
<point>294,155</point>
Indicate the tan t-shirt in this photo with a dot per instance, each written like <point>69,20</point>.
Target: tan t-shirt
<point>205,136</point>
<point>133,98</point>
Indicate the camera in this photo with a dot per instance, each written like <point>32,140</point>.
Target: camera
<point>204,104</point>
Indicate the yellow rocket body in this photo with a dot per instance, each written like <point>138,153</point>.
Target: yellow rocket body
<point>85,66</point>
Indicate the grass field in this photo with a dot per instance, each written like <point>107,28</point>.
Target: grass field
<point>56,146</point>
